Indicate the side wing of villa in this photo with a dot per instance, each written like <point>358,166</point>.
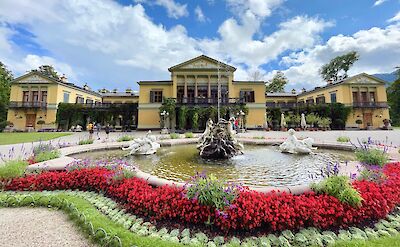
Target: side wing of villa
<point>194,83</point>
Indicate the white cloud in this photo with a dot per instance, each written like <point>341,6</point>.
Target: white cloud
<point>238,45</point>
<point>260,8</point>
<point>395,18</point>
<point>105,43</point>
<point>379,50</point>
<point>199,14</point>
<point>174,9</point>
<point>379,2</point>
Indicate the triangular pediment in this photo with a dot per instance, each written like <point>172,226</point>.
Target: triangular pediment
<point>364,78</point>
<point>34,78</point>
<point>202,62</point>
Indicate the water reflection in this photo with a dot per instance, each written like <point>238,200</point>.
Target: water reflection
<point>260,165</point>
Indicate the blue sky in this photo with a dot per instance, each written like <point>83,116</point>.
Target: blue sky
<point>114,44</point>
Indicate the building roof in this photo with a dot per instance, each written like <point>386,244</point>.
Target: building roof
<point>201,57</point>
<point>120,94</point>
<point>343,81</point>
<point>165,82</point>
<point>281,94</point>
<point>58,81</point>
<point>254,82</point>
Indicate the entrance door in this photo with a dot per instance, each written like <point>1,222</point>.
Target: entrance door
<point>30,120</point>
<point>367,119</point>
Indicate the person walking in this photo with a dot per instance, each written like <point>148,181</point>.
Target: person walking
<point>90,129</point>
<point>107,129</point>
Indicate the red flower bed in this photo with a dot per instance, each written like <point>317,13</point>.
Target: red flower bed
<point>250,211</point>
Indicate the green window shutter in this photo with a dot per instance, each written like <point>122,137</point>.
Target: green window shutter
<point>151,96</point>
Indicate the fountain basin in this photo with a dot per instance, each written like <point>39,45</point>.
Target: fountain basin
<point>258,166</point>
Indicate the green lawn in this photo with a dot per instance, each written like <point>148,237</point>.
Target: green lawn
<point>12,138</point>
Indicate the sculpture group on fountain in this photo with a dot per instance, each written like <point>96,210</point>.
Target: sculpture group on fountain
<point>294,146</point>
<point>218,141</point>
<point>143,146</point>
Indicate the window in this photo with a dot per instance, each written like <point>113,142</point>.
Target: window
<point>35,96</point>
<point>247,96</point>
<point>364,97</point>
<point>333,98</point>
<point>89,101</point>
<point>310,101</point>
<point>25,96</point>
<point>355,97</point>
<point>156,96</point>
<point>372,96</point>
<point>66,97</point>
<point>320,100</point>
<point>44,96</point>
<point>79,99</point>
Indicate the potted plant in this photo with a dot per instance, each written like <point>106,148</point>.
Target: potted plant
<point>359,122</point>
<point>41,122</point>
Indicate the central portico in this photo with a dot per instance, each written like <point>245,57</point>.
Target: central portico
<point>195,83</point>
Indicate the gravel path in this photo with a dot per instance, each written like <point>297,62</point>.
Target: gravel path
<point>41,227</point>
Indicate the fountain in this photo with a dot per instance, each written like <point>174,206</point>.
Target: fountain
<point>218,141</point>
<point>146,145</point>
<point>294,146</point>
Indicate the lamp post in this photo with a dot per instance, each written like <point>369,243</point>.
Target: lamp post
<point>164,116</point>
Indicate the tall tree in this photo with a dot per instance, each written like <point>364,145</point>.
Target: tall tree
<point>393,94</point>
<point>49,71</point>
<point>338,65</point>
<point>5,86</point>
<point>256,75</point>
<point>278,83</point>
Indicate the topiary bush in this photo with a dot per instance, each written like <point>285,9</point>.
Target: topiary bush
<point>189,135</point>
<point>125,138</point>
<point>339,187</point>
<point>85,142</point>
<point>174,136</point>
<point>343,139</point>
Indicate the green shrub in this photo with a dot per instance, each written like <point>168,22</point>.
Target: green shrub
<point>372,157</point>
<point>174,136</point>
<point>189,135</point>
<point>84,142</point>
<point>210,191</point>
<point>125,138</point>
<point>12,169</point>
<point>47,155</point>
<point>343,139</point>
<point>258,137</point>
<point>339,187</point>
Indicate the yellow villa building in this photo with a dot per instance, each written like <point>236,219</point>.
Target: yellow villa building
<point>195,82</point>
<point>365,94</point>
<point>35,96</point>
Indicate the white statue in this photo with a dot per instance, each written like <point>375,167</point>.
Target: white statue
<point>145,145</point>
<point>303,122</point>
<point>293,145</point>
<point>283,122</point>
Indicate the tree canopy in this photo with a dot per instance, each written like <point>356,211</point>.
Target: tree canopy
<point>5,86</point>
<point>277,83</point>
<point>337,68</point>
<point>393,94</point>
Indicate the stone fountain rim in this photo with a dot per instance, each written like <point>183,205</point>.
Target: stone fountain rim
<point>61,162</point>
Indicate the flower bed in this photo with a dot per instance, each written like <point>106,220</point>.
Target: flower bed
<point>251,211</point>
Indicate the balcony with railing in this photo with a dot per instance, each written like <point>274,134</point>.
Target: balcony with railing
<point>208,101</point>
<point>370,104</point>
<point>285,105</point>
<point>27,104</point>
